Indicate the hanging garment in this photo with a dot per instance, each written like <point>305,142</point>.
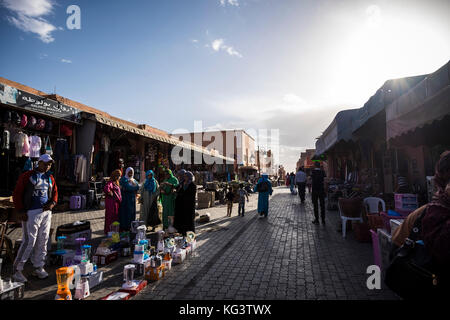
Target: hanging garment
<point>35,146</point>
<point>5,140</point>
<point>61,150</point>
<point>22,145</point>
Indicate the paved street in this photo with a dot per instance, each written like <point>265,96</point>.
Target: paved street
<point>283,257</point>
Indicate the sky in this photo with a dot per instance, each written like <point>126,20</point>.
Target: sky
<point>282,65</point>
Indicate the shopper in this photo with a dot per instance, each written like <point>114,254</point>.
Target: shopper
<point>34,198</point>
<point>149,200</point>
<point>242,194</point>
<point>435,223</point>
<point>185,205</point>
<point>264,189</point>
<point>168,194</point>
<point>300,181</point>
<point>230,197</point>
<point>318,192</point>
<point>292,182</point>
<point>127,209</point>
<point>113,198</point>
<point>309,183</point>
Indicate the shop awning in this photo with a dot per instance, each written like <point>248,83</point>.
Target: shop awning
<point>390,91</point>
<point>339,129</point>
<point>248,168</point>
<point>175,142</point>
<point>429,101</point>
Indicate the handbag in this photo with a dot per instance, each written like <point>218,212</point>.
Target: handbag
<point>411,273</point>
<point>48,147</point>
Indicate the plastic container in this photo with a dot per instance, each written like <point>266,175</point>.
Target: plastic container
<point>387,218</point>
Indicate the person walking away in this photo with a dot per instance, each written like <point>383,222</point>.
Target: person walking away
<point>168,194</point>
<point>300,181</point>
<point>318,192</point>
<point>309,184</point>
<point>113,198</point>
<point>292,182</point>
<point>127,209</point>
<point>288,179</point>
<point>185,205</point>
<point>34,197</point>
<point>149,201</point>
<point>242,195</point>
<point>230,197</point>
<point>264,189</point>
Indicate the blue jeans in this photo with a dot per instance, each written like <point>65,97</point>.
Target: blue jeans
<point>241,207</point>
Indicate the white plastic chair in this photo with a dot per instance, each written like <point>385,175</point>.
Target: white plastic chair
<point>371,204</point>
<point>345,219</point>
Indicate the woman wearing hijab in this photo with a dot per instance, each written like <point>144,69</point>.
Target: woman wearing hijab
<point>168,188</point>
<point>113,197</point>
<point>185,205</point>
<point>149,199</point>
<point>127,211</point>
<point>264,189</point>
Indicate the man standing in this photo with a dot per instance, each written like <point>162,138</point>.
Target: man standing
<point>300,181</point>
<point>318,192</point>
<point>34,197</point>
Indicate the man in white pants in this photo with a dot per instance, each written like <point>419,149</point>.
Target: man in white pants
<point>34,197</point>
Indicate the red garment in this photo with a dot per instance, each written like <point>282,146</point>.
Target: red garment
<point>436,234</point>
<point>22,182</point>
<point>111,204</point>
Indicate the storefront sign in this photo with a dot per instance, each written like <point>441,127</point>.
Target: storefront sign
<point>18,98</point>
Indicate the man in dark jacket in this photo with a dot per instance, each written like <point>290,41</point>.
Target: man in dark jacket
<point>318,192</point>
<point>34,197</point>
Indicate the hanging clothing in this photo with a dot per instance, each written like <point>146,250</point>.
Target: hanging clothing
<point>185,208</point>
<point>80,169</point>
<point>22,145</point>
<point>127,209</point>
<point>35,146</point>
<point>149,202</point>
<point>168,198</point>
<point>111,204</point>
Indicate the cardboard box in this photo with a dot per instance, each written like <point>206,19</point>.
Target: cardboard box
<point>102,260</point>
<point>395,223</point>
<point>13,292</point>
<point>117,295</point>
<point>155,273</point>
<point>95,279</point>
<point>135,291</point>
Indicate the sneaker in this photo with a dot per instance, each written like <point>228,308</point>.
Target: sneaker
<point>316,221</point>
<point>19,277</point>
<point>40,273</point>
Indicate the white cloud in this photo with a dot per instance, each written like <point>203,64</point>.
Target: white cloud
<point>194,41</point>
<point>28,17</point>
<point>66,61</point>
<point>219,44</point>
<point>235,3</point>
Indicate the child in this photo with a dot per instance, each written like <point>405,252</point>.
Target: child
<point>230,198</point>
<point>242,194</point>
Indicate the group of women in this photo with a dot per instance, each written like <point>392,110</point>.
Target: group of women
<point>176,195</point>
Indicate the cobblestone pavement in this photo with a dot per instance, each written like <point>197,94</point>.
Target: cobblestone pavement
<point>282,257</point>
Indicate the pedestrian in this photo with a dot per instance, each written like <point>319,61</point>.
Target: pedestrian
<point>300,181</point>
<point>264,189</point>
<point>121,165</point>
<point>292,182</point>
<point>168,195</point>
<point>288,179</point>
<point>309,183</point>
<point>113,198</point>
<point>185,205</point>
<point>435,226</point>
<point>242,194</point>
<point>149,200</point>
<point>34,197</point>
<point>127,209</point>
<point>230,197</point>
<point>318,192</point>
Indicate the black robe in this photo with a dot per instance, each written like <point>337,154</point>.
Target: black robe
<point>185,209</point>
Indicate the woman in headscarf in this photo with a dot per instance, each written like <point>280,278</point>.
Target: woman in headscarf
<point>168,189</point>
<point>264,189</point>
<point>127,211</point>
<point>185,205</point>
<point>113,197</point>
<point>149,199</point>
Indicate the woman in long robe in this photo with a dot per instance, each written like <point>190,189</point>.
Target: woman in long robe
<point>127,211</point>
<point>263,197</point>
<point>168,195</point>
<point>185,205</point>
<point>113,197</point>
<point>149,201</point>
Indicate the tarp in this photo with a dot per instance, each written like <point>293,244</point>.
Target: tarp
<point>390,91</point>
<point>429,101</point>
<point>339,129</point>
